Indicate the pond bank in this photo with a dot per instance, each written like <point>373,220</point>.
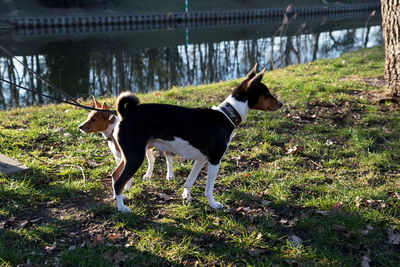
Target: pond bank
<point>195,18</point>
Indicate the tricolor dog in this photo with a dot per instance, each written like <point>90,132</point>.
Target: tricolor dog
<point>103,122</point>
<point>202,135</point>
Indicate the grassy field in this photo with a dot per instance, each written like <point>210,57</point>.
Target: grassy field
<point>316,183</point>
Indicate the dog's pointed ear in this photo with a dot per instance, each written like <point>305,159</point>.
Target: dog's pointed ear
<point>252,72</point>
<point>96,103</point>
<point>104,106</point>
<point>246,82</point>
<point>92,103</point>
<point>258,78</point>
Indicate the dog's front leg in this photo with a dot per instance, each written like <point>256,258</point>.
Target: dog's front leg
<point>133,158</point>
<point>197,166</point>
<point>150,163</point>
<point>170,166</point>
<point>211,176</point>
<point>120,198</point>
<point>116,173</point>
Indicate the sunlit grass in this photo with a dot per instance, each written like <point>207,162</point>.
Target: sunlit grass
<point>323,169</point>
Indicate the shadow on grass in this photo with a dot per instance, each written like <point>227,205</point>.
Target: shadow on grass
<point>52,223</point>
<point>343,237</point>
<point>97,232</point>
<point>99,235</point>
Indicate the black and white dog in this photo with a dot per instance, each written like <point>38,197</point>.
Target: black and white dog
<point>194,133</point>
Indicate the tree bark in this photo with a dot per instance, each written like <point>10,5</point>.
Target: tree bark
<point>391,34</point>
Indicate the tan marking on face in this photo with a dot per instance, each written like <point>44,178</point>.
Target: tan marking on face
<point>267,103</point>
<point>96,122</point>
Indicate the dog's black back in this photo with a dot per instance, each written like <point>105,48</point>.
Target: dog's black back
<point>205,129</point>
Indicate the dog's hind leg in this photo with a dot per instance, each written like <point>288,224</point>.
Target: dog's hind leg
<point>128,184</point>
<point>211,176</point>
<point>133,159</point>
<point>150,162</point>
<point>197,166</point>
<point>170,166</point>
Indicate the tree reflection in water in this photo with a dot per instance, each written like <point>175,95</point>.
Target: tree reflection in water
<point>87,65</point>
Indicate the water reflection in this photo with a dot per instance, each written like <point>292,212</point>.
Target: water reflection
<point>108,63</point>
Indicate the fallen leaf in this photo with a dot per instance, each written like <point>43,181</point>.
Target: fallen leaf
<point>50,249</point>
<point>394,238</point>
<point>99,238</point>
<point>329,142</point>
<point>164,196</point>
<point>23,224</point>
<point>293,150</point>
<point>283,221</point>
<point>295,240</point>
<point>338,207</point>
<point>376,204</point>
<point>396,195</point>
<point>191,263</point>
<point>112,237</point>
<point>257,251</point>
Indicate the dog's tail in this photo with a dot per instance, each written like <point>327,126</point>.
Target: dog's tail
<point>126,102</point>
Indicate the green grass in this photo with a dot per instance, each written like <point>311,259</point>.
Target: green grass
<point>338,193</point>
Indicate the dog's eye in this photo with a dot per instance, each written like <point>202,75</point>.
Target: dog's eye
<point>93,119</point>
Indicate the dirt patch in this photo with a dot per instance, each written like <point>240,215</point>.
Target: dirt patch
<point>382,97</point>
<point>378,82</point>
<point>379,96</point>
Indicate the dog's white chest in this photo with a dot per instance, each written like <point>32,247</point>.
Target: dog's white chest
<point>178,146</point>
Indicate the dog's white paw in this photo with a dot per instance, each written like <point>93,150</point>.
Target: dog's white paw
<point>186,195</point>
<point>216,205</point>
<point>124,209</point>
<point>147,176</point>
<point>123,197</point>
<point>170,177</point>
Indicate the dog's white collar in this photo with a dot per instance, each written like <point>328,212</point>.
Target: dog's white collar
<point>241,107</point>
<point>230,113</point>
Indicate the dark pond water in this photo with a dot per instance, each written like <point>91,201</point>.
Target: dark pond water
<point>106,62</point>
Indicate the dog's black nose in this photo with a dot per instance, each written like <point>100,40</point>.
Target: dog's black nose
<point>280,104</point>
<point>80,127</point>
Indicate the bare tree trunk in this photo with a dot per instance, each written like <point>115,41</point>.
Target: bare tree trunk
<point>391,33</point>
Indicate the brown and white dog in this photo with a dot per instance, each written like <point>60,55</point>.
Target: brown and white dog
<point>104,123</point>
<point>199,134</point>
